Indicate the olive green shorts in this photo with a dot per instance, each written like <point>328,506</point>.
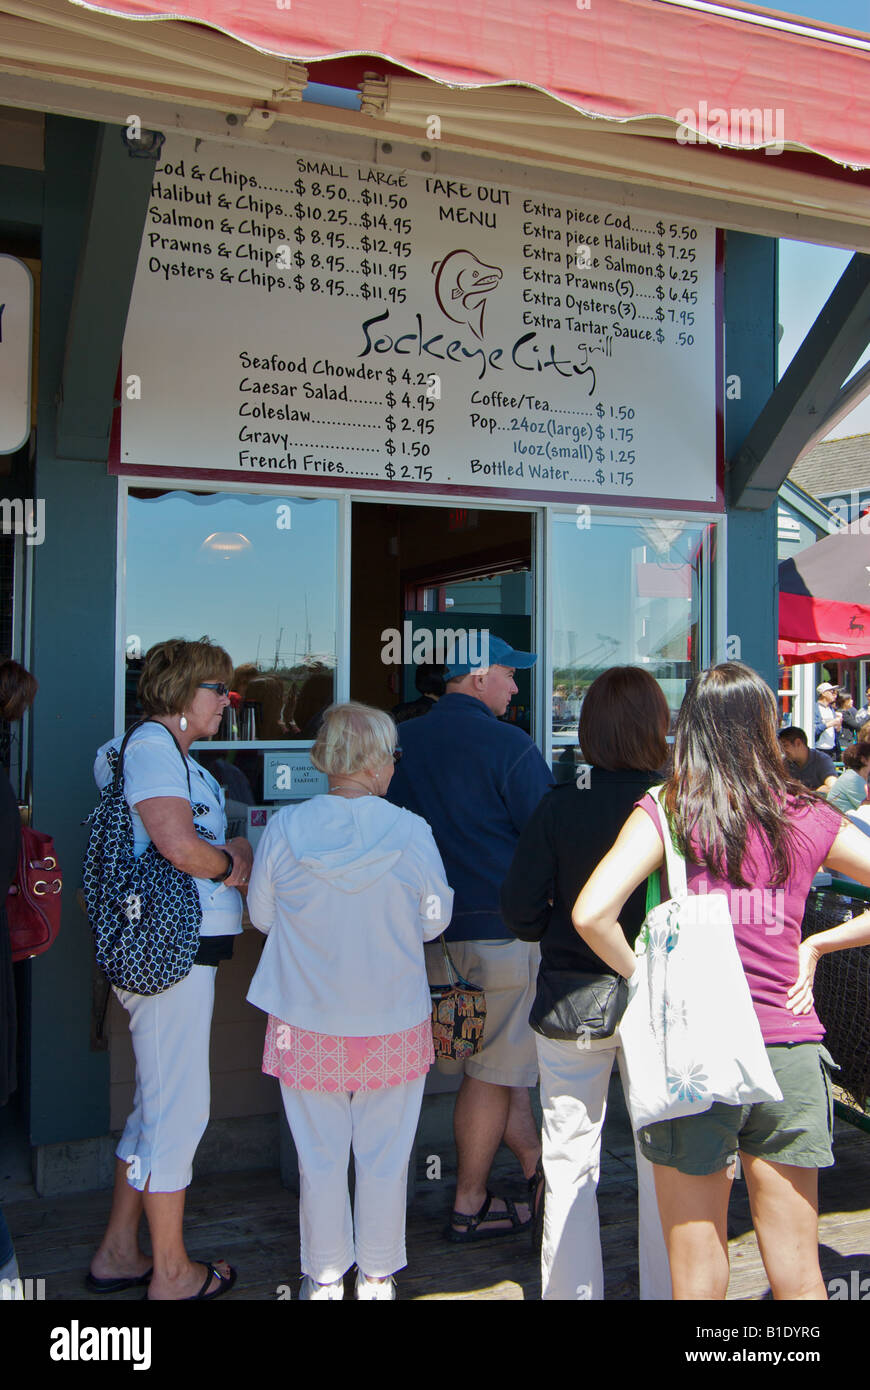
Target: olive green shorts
<point>796,1130</point>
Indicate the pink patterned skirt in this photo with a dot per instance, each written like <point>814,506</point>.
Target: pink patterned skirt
<point>308,1061</point>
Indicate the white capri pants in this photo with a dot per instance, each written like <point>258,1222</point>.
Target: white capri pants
<point>170,1033</point>
<point>574,1082</point>
<point>380,1126</point>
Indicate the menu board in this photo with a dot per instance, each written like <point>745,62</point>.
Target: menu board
<point>308,319</point>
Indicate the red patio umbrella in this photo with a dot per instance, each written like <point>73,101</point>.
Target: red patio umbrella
<point>824,599</point>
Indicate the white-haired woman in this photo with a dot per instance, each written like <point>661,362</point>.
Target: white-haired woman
<point>348,888</point>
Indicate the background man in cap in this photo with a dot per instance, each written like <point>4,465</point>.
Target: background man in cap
<point>827,723</point>
<point>477,781</point>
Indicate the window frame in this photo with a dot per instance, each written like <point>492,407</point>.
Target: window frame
<point>713,588</point>
<point>711,616</point>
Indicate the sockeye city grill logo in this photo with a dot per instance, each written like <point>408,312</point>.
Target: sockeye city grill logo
<point>462,284</point>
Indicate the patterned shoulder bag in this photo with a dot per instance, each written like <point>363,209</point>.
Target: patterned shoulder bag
<point>145,914</point>
<point>458,1014</point>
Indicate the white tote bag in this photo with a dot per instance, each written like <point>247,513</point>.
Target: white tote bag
<point>690,1032</point>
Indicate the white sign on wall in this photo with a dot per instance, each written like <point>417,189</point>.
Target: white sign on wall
<point>298,318</point>
<point>16,339</point>
<point>289,776</point>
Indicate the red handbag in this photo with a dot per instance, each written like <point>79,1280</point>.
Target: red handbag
<point>33,900</point>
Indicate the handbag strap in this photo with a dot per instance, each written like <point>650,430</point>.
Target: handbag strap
<point>674,861</point>
<point>451,969</point>
<point>119,768</point>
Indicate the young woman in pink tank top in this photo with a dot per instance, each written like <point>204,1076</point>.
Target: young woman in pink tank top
<point>748,830</point>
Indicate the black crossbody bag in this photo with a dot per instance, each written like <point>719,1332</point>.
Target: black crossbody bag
<point>578,1005</point>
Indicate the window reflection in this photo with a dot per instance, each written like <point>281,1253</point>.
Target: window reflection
<point>258,574</point>
<point>626,592</point>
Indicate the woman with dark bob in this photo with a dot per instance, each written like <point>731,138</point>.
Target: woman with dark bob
<point>183,690</point>
<point>741,823</point>
<point>622,731</point>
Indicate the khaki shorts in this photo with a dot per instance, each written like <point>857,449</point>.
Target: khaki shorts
<point>796,1130</point>
<point>508,972</point>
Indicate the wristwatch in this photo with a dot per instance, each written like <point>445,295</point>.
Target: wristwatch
<point>219,878</point>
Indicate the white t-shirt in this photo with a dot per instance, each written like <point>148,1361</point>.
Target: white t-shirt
<point>153,767</point>
<point>827,738</point>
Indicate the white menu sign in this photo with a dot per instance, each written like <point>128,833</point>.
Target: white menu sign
<point>297,318</point>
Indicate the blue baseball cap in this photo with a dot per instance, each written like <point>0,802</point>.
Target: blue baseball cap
<point>495,652</point>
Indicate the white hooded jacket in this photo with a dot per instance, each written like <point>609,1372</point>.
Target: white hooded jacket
<point>347,890</point>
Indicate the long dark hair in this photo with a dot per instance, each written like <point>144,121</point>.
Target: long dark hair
<point>729,775</point>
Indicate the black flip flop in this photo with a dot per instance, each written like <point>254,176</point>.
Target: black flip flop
<point>484,1217</point>
<point>116,1285</point>
<point>226,1283</point>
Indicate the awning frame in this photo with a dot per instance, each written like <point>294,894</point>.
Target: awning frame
<point>808,394</point>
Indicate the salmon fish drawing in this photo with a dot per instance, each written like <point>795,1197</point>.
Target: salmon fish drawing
<point>462,283</point>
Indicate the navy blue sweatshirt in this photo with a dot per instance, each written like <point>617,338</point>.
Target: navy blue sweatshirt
<point>477,782</point>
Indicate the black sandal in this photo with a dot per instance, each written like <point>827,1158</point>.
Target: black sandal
<point>472,1224</point>
<point>225,1283</point>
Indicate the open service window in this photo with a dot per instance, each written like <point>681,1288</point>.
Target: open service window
<point>429,585</point>
<point>625,591</point>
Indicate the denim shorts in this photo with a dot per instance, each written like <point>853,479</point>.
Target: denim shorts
<point>796,1130</point>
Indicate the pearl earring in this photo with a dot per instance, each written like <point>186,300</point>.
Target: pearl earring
<point>182,723</point>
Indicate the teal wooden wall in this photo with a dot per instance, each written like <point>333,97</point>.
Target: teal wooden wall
<point>73,659</point>
<point>750,353</point>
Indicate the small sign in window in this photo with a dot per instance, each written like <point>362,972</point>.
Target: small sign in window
<point>289,776</point>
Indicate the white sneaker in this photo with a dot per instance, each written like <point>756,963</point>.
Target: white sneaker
<point>375,1290</point>
<point>312,1290</point>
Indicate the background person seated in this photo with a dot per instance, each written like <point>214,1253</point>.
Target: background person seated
<point>850,790</point>
<point>810,766</point>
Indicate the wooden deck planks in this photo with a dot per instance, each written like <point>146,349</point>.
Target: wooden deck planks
<point>251,1220</point>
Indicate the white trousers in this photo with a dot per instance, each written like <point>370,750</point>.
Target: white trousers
<point>574,1083</point>
<point>380,1127</point>
<point>170,1033</point>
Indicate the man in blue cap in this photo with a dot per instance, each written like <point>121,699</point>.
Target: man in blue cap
<point>477,781</point>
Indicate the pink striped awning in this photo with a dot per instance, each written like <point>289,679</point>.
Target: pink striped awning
<point>737,76</point>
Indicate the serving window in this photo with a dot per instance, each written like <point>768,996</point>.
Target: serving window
<point>625,591</point>
<point>259,575</point>
<point>266,575</point>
